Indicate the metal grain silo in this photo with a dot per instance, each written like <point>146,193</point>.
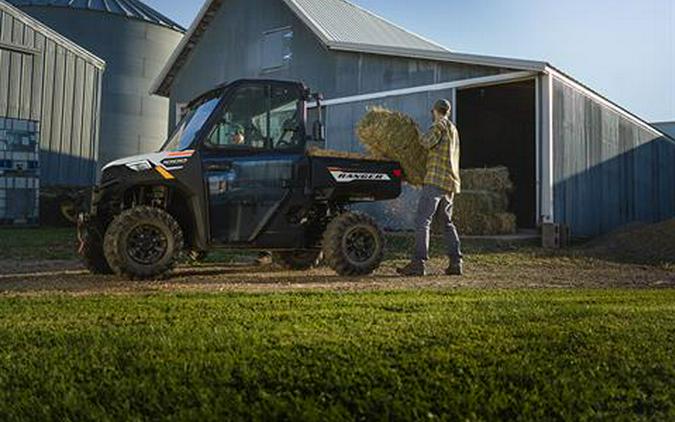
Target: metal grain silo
<point>135,41</point>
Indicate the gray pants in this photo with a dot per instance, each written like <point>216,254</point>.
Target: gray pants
<point>431,200</point>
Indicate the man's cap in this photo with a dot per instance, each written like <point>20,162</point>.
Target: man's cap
<point>443,106</point>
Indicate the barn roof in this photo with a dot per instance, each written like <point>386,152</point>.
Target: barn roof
<point>342,22</point>
<point>132,9</point>
<point>342,26</point>
<point>41,28</point>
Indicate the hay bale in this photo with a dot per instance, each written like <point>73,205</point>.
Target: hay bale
<point>480,213</point>
<point>395,136</point>
<point>479,224</point>
<point>495,179</point>
<point>482,202</point>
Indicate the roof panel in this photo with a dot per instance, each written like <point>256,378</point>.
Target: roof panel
<point>133,9</point>
<point>343,22</point>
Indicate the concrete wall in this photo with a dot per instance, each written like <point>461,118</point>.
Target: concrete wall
<point>608,170</point>
<point>132,121</point>
<point>45,80</point>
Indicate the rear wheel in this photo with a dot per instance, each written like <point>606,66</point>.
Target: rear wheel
<point>353,245</point>
<point>297,260</point>
<point>143,243</point>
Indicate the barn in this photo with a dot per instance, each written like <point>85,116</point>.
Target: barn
<point>577,159</point>
<point>48,79</point>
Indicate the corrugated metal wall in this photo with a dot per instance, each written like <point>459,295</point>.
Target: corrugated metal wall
<point>45,80</point>
<point>132,121</point>
<point>608,170</point>
<point>231,49</point>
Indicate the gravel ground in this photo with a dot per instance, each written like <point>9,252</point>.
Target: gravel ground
<point>68,277</point>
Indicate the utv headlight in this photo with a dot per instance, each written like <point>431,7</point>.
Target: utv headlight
<point>140,166</point>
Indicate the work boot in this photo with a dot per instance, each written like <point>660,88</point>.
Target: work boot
<point>414,269</point>
<point>456,268</point>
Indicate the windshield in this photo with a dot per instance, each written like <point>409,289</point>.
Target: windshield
<point>186,131</point>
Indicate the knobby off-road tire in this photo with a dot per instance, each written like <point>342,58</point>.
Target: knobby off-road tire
<point>92,253</point>
<point>353,245</point>
<point>143,243</point>
<point>297,260</point>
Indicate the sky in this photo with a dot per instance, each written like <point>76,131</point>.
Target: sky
<point>624,49</point>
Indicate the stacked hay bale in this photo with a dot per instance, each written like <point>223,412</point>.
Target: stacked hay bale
<point>482,207</point>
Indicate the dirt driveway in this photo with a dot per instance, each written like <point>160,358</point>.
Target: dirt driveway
<point>516,270</point>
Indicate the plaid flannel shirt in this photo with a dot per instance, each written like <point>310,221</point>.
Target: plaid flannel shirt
<point>442,141</point>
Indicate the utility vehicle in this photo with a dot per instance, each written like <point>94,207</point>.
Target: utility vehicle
<point>236,174</point>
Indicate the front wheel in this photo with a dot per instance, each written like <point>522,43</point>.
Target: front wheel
<point>353,245</point>
<point>91,250</point>
<point>143,243</point>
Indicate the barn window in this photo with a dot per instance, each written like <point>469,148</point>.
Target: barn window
<point>276,49</point>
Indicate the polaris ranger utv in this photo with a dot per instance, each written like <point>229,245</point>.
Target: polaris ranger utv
<point>236,174</point>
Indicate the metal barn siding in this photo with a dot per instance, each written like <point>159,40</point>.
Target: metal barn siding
<point>46,78</point>
<point>135,41</point>
<point>608,169</point>
<point>231,48</point>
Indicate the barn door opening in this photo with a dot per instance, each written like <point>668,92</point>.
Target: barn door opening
<point>497,127</point>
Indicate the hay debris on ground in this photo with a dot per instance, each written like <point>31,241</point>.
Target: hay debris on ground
<point>637,243</point>
<point>395,136</point>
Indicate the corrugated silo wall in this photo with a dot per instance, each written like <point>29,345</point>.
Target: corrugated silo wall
<point>608,170</point>
<point>42,79</point>
<point>132,121</point>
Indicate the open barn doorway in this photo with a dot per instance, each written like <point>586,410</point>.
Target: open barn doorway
<point>497,126</point>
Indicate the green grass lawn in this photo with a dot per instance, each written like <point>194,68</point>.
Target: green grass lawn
<point>536,355</point>
<point>45,244</point>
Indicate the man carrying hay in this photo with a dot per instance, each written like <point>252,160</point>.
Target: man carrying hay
<point>441,183</point>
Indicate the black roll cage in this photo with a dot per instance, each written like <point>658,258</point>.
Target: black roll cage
<point>225,92</point>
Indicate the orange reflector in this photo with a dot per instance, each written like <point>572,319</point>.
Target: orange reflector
<point>165,174</point>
